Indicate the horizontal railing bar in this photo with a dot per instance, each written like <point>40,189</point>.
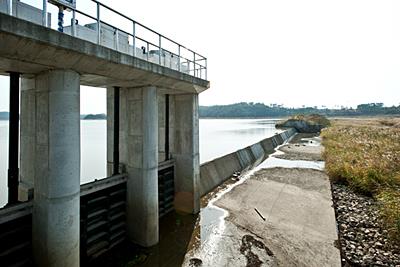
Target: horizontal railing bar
<point>203,58</point>
<point>147,28</point>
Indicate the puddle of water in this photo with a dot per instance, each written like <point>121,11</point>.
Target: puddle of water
<point>272,162</point>
<point>314,141</point>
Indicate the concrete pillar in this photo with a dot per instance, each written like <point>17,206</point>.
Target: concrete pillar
<point>28,139</point>
<point>186,153</point>
<point>123,129</point>
<point>142,168</point>
<point>55,222</point>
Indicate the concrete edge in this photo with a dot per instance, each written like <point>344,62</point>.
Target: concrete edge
<point>215,172</point>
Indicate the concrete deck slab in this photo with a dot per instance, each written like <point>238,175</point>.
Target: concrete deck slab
<point>29,48</point>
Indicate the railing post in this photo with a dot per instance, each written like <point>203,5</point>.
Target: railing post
<point>148,51</point>
<point>44,13</point>
<point>205,59</point>
<point>134,41</point>
<point>73,26</point>
<point>160,49</point>
<point>98,23</point>
<point>194,64</point>
<point>179,58</point>
<point>9,7</point>
<point>116,40</point>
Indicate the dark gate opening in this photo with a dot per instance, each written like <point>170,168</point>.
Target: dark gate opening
<point>16,236</point>
<point>166,190</point>
<point>103,220</point>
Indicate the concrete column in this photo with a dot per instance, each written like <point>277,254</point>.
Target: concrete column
<point>186,153</point>
<point>55,232</point>
<point>123,130</point>
<point>142,188</point>
<point>28,139</point>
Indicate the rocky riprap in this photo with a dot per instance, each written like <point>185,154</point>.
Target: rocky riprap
<point>362,239</point>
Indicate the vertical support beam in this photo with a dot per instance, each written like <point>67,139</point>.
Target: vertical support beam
<point>179,57</point>
<point>166,141</point>
<point>98,24</point>
<point>142,186</point>
<point>10,7</point>
<point>55,219</point>
<point>44,13</point>
<point>28,139</point>
<point>73,23</point>
<point>134,39</point>
<point>159,50</point>
<point>186,153</point>
<point>116,131</point>
<point>13,146</point>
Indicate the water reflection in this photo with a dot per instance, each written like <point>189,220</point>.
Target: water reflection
<point>218,137</point>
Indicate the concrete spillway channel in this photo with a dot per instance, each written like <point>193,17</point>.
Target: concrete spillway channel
<point>277,214</point>
<point>152,136</point>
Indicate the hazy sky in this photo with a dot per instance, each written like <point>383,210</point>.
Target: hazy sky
<point>290,52</point>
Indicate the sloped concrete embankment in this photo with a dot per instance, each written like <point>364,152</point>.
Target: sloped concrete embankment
<point>215,172</point>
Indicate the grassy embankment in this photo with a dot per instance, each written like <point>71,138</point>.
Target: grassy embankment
<point>365,154</point>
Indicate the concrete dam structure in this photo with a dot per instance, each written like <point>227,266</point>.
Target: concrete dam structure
<point>152,132</point>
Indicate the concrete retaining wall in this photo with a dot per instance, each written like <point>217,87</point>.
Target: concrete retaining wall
<point>215,172</point>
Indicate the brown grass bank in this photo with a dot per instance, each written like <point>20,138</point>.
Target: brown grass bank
<point>365,154</point>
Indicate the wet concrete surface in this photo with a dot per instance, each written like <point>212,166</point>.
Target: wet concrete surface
<point>278,214</point>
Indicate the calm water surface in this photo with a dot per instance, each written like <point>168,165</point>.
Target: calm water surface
<point>217,138</point>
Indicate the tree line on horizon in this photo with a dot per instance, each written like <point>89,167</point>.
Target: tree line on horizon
<point>249,110</point>
<point>258,110</point>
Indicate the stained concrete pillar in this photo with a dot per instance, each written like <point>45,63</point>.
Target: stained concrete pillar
<point>55,222</point>
<point>28,139</point>
<point>142,165</point>
<point>186,153</point>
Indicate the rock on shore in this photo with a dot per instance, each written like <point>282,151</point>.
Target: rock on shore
<point>363,241</point>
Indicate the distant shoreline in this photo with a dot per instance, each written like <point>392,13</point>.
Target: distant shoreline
<point>263,118</point>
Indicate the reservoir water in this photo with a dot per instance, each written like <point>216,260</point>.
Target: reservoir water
<point>217,138</point>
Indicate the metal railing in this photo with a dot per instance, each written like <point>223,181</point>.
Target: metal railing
<point>174,56</point>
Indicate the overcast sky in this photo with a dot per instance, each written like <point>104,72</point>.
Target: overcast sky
<point>289,52</point>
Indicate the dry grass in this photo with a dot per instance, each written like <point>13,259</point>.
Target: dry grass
<point>366,156</point>
<point>390,210</point>
<point>313,119</point>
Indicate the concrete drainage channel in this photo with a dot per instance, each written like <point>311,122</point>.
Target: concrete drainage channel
<point>240,165</point>
<point>231,243</point>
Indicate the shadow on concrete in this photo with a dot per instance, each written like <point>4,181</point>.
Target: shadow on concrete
<point>176,232</point>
